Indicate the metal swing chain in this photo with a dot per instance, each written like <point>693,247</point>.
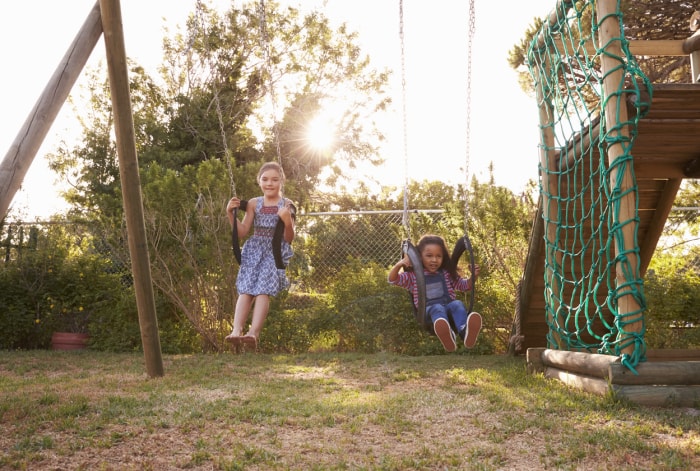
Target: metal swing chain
<point>470,40</point>
<point>467,242</point>
<point>199,28</point>
<point>406,223</point>
<point>227,151</point>
<point>270,85</point>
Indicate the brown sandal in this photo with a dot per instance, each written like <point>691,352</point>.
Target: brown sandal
<point>234,340</point>
<point>249,340</point>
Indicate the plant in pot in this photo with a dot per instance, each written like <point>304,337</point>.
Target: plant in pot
<point>70,322</point>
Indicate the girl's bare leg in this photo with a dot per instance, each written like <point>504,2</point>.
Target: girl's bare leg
<point>262,306</point>
<point>241,315</point>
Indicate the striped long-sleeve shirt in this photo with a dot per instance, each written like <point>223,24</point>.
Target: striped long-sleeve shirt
<point>407,280</point>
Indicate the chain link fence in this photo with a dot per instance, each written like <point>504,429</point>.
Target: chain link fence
<point>326,241</point>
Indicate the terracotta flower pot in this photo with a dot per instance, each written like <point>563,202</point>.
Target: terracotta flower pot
<point>68,341</point>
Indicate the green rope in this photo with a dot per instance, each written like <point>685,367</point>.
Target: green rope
<point>585,247</point>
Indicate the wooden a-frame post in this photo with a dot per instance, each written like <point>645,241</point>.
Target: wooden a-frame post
<point>21,153</point>
<point>130,182</point>
<point>104,16</point>
<point>616,112</point>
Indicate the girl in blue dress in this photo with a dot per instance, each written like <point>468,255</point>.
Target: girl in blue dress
<point>258,276</point>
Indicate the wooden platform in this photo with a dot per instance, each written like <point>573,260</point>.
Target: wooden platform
<point>666,150</point>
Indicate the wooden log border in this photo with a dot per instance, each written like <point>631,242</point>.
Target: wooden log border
<point>659,383</point>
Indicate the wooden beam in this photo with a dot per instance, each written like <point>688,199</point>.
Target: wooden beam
<point>661,372</point>
<point>658,221</point>
<point>589,364</point>
<point>21,153</point>
<point>692,44</point>
<point>658,170</point>
<point>534,360</point>
<point>657,396</point>
<point>130,183</point>
<point>550,190</point>
<point>582,382</point>
<point>645,47</point>
<point>553,19</point>
<point>534,257</point>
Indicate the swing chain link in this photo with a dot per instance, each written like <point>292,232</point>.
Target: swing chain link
<point>269,83</point>
<point>406,224</point>
<point>470,41</point>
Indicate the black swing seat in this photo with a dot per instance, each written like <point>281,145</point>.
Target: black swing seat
<point>276,238</point>
<point>418,311</point>
<point>465,245</point>
<point>462,245</point>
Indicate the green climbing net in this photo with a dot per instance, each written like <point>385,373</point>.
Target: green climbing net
<point>588,266</point>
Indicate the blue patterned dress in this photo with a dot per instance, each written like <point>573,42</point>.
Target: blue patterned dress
<point>258,273</point>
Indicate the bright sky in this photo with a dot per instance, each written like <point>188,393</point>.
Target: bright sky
<point>35,36</point>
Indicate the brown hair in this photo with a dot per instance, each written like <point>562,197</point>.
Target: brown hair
<point>271,166</point>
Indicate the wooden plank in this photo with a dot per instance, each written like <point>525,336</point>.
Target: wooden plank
<point>659,396</point>
<point>666,170</point>
<point>673,354</point>
<point>662,372</point>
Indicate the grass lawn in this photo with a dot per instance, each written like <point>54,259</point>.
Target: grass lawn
<point>99,411</point>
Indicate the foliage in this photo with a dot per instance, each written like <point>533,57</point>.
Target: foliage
<point>370,315</point>
<point>202,134</point>
<point>499,225</point>
<point>672,282</point>
<point>672,288</point>
<point>231,75</point>
<point>297,323</point>
<point>688,197</point>
<point>61,284</point>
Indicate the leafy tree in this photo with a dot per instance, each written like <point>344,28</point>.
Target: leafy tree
<point>688,197</point>
<point>232,73</point>
<point>203,133</point>
<point>672,288</point>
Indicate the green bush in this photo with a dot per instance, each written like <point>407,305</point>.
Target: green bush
<point>58,285</point>
<point>672,292</point>
<point>294,323</point>
<point>370,315</point>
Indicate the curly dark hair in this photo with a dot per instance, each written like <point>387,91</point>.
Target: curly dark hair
<point>447,265</point>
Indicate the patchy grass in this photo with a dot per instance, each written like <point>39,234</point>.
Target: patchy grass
<point>92,410</point>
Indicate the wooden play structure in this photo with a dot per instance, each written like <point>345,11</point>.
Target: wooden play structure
<point>608,183</point>
<point>105,17</point>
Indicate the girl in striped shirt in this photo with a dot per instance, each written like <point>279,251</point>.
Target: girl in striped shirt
<point>446,313</point>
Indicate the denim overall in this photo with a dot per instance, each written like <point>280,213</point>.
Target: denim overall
<point>438,303</point>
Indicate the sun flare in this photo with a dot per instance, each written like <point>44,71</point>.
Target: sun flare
<point>320,133</point>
